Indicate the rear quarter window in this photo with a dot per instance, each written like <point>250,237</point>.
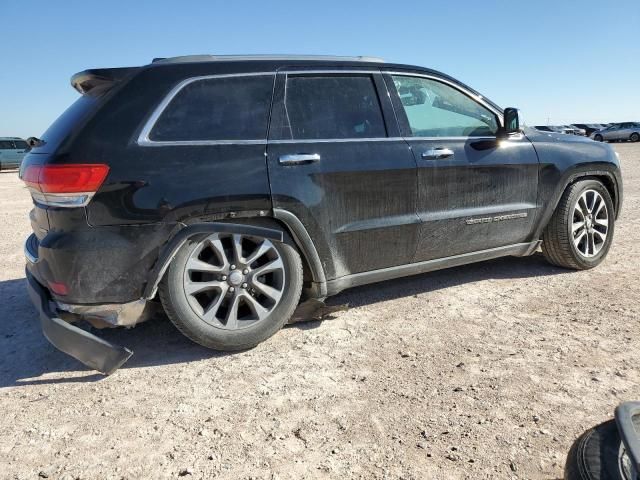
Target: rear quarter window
<point>222,108</point>
<point>65,123</point>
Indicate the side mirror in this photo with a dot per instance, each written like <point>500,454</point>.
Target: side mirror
<point>511,121</point>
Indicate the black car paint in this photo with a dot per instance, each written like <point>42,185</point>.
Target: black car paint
<point>359,201</point>
<point>566,158</point>
<point>365,206</point>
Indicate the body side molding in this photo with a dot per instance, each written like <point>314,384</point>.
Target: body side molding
<point>342,283</point>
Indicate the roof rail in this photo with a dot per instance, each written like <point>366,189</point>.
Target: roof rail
<point>236,58</point>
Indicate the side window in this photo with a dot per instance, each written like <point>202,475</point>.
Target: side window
<point>6,145</point>
<point>21,144</point>
<point>434,109</point>
<point>330,107</point>
<point>224,108</point>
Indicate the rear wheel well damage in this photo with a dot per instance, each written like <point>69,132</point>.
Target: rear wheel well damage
<point>268,227</point>
<point>289,237</point>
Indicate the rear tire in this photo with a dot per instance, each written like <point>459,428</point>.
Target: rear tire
<point>580,231</point>
<point>598,138</point>
<point>231,292</point>
<point>598,454</point>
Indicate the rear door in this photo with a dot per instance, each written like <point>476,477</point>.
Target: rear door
<point>336,160</point>
<point>612,132</point>
<point>6,152</point>
<point>626,129</point>
<point>475,192</point>
<point>20,149</point>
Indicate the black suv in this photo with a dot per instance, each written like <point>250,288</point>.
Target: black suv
<point>228,188</point>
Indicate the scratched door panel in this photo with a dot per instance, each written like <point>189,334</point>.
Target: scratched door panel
<point>357,202</point>
<point>474,191</point>
<point>336,160</point>
<point>484,196</point>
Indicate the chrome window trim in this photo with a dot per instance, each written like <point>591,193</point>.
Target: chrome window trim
<point>152,143</point>
<point>478,98</point>
<point>145,141</point>
<point>339,140</point>
<point>317,71</point>
<point>484,137</point>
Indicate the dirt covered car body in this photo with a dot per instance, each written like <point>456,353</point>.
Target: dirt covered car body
<point>232,185</point>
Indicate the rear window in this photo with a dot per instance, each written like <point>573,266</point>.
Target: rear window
<point>332,107</point>
<point>62,127</point>
<point>223,108</point>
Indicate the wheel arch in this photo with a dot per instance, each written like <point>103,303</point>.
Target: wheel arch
<point>171,248</point>
<point>606,177</point>
<point>274,228</point>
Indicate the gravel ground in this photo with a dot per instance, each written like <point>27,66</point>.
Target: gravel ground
<point>484,371</point>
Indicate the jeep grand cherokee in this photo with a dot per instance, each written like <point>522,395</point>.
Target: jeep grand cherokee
<point>228,188</point>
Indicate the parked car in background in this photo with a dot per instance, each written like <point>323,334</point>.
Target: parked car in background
<point>618,131</point>
<point>578,130</point>
<point>567,130</point>
<point>589,128</point>
<point>12,151</point>
<point>570,129</point>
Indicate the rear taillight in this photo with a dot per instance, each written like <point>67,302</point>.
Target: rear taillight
<point>64,185</point>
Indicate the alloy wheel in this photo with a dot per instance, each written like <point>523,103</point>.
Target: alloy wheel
<point>590,223</point>
<point>233,281</point>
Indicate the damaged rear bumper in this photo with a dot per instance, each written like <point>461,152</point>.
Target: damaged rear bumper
<point>93,351</point>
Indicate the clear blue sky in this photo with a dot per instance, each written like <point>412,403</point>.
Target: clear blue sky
<point>571,61</point>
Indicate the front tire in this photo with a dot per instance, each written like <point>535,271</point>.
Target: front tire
<point>580,231</point>
<point>231,291</point>
<point>598,138</point>
<point>634,137</point>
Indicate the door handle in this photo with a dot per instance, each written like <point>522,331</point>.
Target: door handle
<point>437,153</point>
<point>299,159</point>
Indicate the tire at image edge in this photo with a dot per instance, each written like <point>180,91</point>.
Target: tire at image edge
<point>596,455</point>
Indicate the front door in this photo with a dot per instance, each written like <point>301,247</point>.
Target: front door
<point>336,160</point>
<point>475,192</point>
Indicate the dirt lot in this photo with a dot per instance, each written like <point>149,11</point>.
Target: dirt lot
<point>485,371</point>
